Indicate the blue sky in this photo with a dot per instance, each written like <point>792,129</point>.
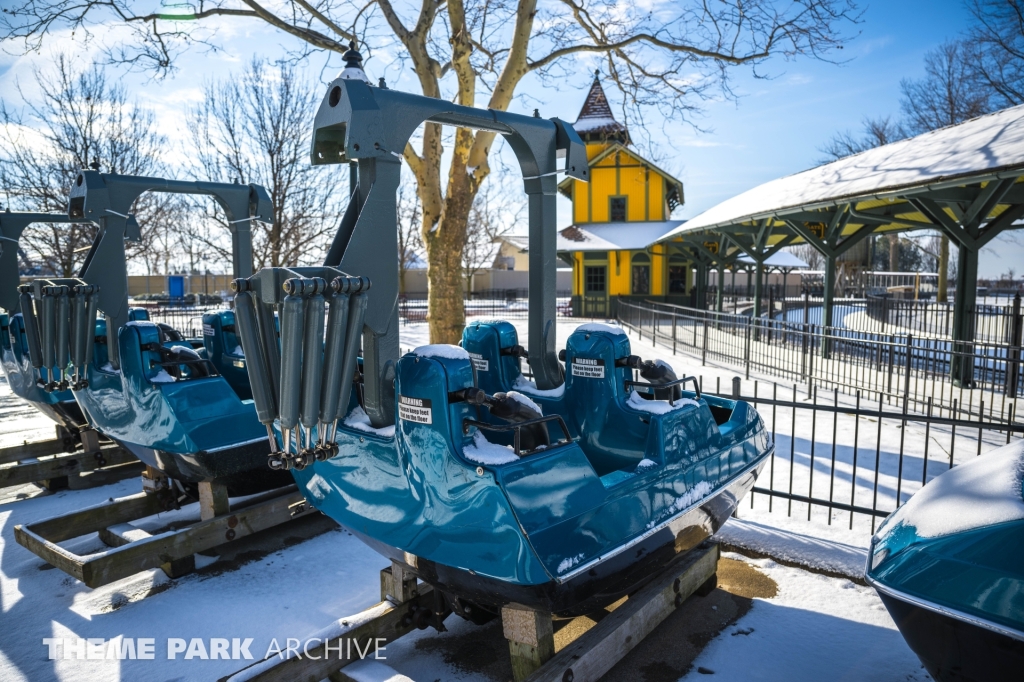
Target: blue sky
<point>775,128</point>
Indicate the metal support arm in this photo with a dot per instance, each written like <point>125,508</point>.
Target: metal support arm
<point>12,226</point>
<point>358,122</point>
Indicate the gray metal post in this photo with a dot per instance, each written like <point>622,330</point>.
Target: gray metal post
<point>547,373</point>
<point>371,253</point>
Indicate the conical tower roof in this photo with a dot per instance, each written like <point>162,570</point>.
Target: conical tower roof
<point>596,123</point>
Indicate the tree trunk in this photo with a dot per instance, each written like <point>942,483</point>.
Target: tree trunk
<point>446,313</point>
<point>894,253</point>
<point>942,295</point>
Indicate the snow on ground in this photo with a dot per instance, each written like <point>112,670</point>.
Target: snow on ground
<point>19,421</point>
<point>816,628</point>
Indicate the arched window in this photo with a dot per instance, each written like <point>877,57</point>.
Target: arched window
<point>641,273</point>
<point>678,268</point>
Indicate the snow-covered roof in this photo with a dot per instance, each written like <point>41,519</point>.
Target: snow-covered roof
<point>614,236</point>
<point>779,259</point>
<point>982,146</point>
<point>520,241</point>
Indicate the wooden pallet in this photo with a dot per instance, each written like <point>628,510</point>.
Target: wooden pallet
<point>64,460</point>
<point>133,549</point>
<point>405,605</point>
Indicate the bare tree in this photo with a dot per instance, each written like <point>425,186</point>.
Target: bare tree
<point>495,213</point>
<point>410,246</point>
<point>809,255</point>
<point>998,35</point>
<point>477,54</point>
<point>875,133</point>
<point>950,93</point>
<point>77,119</point>
<point>255,128</point>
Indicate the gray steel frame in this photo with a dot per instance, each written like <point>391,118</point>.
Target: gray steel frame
<point>12,226</point>
<point>106,199</point>
<point>369,125</point>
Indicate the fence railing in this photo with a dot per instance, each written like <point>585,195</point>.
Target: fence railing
<point>504,304</point>
<point>891,365</point>
<point>186,319</point>
<point>855,457</point>
<point>995,322</point>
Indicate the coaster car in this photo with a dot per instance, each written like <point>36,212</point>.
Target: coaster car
<point>949,567</point>
<point>563,493</point>
<point>141,383</point>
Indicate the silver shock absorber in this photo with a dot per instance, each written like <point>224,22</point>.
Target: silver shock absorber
<point>292,312</point>
<point>256,365</point>
<point>79,331</point>
<point>312,363</point>
<point>268,336</point>
<point>28,316</point>
<point>47,331</point>
<point>63,354</point>
<point>334,350</point>
<point>358,287</point>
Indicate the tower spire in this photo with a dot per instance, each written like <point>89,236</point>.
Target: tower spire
<point>596,122</point>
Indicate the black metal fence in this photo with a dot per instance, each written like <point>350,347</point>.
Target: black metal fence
<point>498,303</point>
<point>186,319</point>
<point>999,322</point>
<point>891,365</point>
<point>854,457</point>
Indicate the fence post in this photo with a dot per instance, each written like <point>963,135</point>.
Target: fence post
<point>1013,354</point>
<point>746,351</point>
<point>803,350</point>
<point>735,388</point>
<point>909,365</point>
<point>892,346</point>
<point>673,332</point>
<point>704,350</point>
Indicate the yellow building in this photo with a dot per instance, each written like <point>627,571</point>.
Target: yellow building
<point>618,218</point>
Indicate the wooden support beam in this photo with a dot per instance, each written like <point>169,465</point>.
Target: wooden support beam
<point>258,513</point>
<point>213,500</point>
<point>531,639</point>
<point>63,465</point>
<point>397,583</point>
<point>124,533</point>
<point>26,450</point>
<point>595,653</point>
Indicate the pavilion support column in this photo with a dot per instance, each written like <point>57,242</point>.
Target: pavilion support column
<point>702,286</point>
<point>720,295</point>
<point>962,366</point>
<point>758,291</point>
<point>827,303</point>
